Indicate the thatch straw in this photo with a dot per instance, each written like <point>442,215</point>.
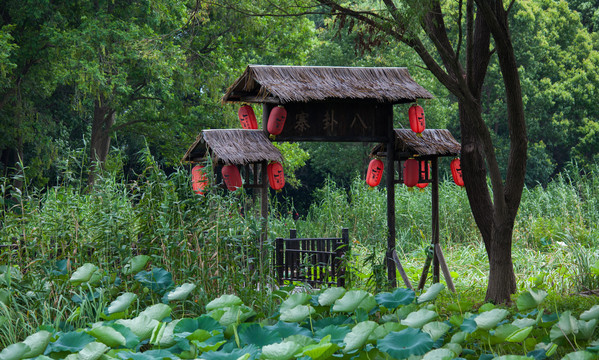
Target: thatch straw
<point>233,146</point>
<point>283,84</point>
<point>433,142</point>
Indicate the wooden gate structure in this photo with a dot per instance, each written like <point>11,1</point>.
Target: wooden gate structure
<point>332,104</point>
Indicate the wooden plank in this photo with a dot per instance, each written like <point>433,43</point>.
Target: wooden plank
<point>425,269</point>
<point>444,267</point>
<point>337,121</point>
<point>402,272</point>
<point>435,215</point>
<point>279,254</point>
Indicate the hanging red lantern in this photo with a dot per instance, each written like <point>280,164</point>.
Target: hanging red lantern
<point>247,117</point>
<point>231,177</point>
<point>456,172</point>
<point>375,172</point>
<point>199,181</point>
<point>416,115</point>
<point>411,169</point>
<point>276,120</point>
<point>425,170</point>
<point>276,176</point>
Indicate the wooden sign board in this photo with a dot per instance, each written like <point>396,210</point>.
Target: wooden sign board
<point>360,122</point>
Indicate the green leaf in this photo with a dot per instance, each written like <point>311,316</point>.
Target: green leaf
<point>328,297</point>
<point>233,315</point>
<point>590,314</point>
<point>142,326</point>
<point>297,314</point>
<point>294,300</point>
<point>287,329</point>
<point>83,274</point>
<point>223,301</point>
<point>512,357</point>
<point>418,318</point>
<point>187,326</point>
<point>180,292</point>
<point>350,301</point>
<point>281,351</point>
<point>530,299</point>
<point>257,335</point>
<point>358,336</point>
<point>131,340</point>
<point>439,354</point>
<point>524,322</point>
<point>391,301</point>
<point>367,304</point>
<point>108,336</point>
<point>459,337</point>
<point>157,311</point>
<point>37,343</point>
<point>405,343</point>
<point>135,264</point>
<point>71,341</point>
<point>490,319</point>
<point>436,329</point>
<point>159,280</point>
<point>566,325</point>
<point>586,329</point>
<point>92,351</point>
<point>14,352</point>
<point>322,350</point>
<point>336,333</point>
<point>580,355</point>
<point>168,337</point>
<point>502,332</point>
<point>519,335</point>
<point>431,294</point>
<point>121,303</point>
<point>454,347</point>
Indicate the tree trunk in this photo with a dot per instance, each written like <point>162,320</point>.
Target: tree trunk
<point>502,280</point>
<point>100,137</point>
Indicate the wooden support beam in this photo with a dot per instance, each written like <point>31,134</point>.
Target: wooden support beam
<point>446,274</point>
<point>402,272</point>
<point>390,202</point>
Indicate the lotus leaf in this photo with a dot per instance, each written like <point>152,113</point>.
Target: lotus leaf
<point>524,322</point>
<point>37,343</point>
<point>14,352</point>
<point>281,351</point>
<point>142,326</point>
<point>83,274</point>
<point>158,279</point>
<point>108,336</point>
<point>436,329</point>
<point>456,348</point>
<point>405,343</point>
<point>490,319</point>
<point>297,314</point>
<point>336,333</point>
<point>530,299</point>
<point>580,355</point>
<point>121,303</point>
<point>586,329</point>
<point>350,301</point>
<point>287,329</point>
<point>71,341</point>
<point>501,333</point>
<point>157,311</point>
<point>358,336</point>
<point>439,354</point>
<point>92,351</point>
<point>391,301</point>
<point>223,301</point>
<point>257,335</point>
<point>294,300</point>
<point>135,264</point>
<point>431,293</point>
<point>328,297</point>
<point>181,292</point>
<point>512,357</point>
<point>566,325</point>
<point>419,318</point>
<point>323,350</point>
<point>590,314</point>
<point>519,335</point>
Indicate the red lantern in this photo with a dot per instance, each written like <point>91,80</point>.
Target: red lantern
<point>416,115</point>
<point>411,169</point>
<point>231,177</point>
<point>276,176</point>
<point>276,120</point>
<point>375,172</point>
<point>456,172</point>
<point>199,181</point>
<point>247,117</point>
<point>424,173</point>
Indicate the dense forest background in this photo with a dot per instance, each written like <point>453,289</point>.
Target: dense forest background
<point>103,80</point>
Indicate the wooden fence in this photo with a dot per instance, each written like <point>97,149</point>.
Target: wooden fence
<point>312,260</point>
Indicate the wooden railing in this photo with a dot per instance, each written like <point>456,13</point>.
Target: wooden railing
<point>311,260</point>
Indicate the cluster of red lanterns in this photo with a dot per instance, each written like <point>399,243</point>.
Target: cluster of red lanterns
<point>233,181</point>
<point>415,173</point>
<point>276,119</point>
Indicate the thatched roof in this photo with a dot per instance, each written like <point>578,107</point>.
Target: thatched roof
<point>433,142</point>
<point>284,84</point>
<point>233,146</point>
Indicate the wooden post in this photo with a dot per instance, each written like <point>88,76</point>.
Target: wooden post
<point>390,202</point>
<point>435,216</point>
<point>279,259</point>
<point>342,250</point>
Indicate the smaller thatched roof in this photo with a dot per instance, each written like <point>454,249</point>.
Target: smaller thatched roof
<point>284,84</point>
<point>433,142</point>
<point>233,146</point>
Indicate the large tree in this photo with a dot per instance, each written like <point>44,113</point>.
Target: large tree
<point>457,49</point>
